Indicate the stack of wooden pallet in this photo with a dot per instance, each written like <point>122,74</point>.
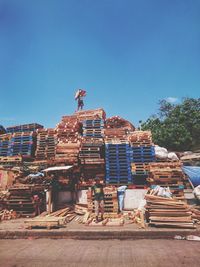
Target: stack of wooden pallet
<point>167,212</point>
<point>22,143</point>
<point>68,146</point>
<point>118,164</point>
<point>46,144</point>
<point>168,174</point>
<point>91,114</point>
<point>110,202</point>
<point>24,128</point>
<point>143,152</point>
<point>20,200</point>
<point>4,144</point>
<point>118,122</point>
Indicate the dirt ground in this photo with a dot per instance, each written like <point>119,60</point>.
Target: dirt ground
<point>98,253</point>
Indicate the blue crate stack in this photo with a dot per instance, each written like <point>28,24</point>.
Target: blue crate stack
<point>4,144</point>
<point>118,163</point>
<point>143,152</point>
<point>22,144</point>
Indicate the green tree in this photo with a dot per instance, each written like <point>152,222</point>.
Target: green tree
<point>176,127</point>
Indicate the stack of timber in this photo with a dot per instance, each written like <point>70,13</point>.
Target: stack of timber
<point>118,164</point>
<point>110,202</point>
<point>46,144</point>
<point>22,144</point>
<point>56,219</point>
<point>68,146</point>
<point>91,114</point>
<point>168,174</point>
<point>4,144</point>
<point>2,130</point>
<point>168,212</point>
<point>143,152</point>
<point>32,127</point>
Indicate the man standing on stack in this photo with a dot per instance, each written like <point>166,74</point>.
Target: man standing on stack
<point>97,191</point>
<point>79,97</point>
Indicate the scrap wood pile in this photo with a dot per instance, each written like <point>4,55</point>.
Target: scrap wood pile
<point>60,217</point>
<point>56,219</point>
<point>46,144</point>
<point>7,215</point>
<point>168,174</point>
<point>118,122</point>
<point>68,146</point>
<point>168,212</point>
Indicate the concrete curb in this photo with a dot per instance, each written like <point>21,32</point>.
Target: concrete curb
<point>98,234</point>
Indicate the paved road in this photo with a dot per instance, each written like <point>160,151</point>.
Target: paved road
<point>112,253</point>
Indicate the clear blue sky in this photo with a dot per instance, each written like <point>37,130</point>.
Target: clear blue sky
<point>127,54</point>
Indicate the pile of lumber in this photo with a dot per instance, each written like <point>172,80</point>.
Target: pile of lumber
<point>168,174</point>
<point>46,144</point>
<point>168,212</point>
<point>115,136</point>
<point>56,219</point>
<point>7,214</point>
<point>60,217</point>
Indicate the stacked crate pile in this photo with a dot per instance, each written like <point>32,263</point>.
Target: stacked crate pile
<point>110,201</point>
<point>117,151</point>
<point>143,152</point>
<point>32,127</point>
<point>22,144</point>
<point>46,144</point>
<point>4,144</point>
<point>168,174</point>
<point>92,143</point>
<point>68,133</point>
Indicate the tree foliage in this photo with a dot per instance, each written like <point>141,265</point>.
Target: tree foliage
<point>176,127</point>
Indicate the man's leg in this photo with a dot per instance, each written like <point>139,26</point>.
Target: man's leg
<point>96,206</point>
<point>101,205</point>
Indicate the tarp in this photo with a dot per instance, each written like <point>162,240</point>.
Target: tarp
<point>58,168</point>
<point>193,174</point>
